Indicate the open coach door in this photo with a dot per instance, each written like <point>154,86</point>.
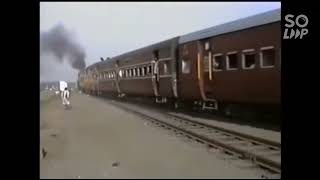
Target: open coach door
<point>164,72</point>
<point>205,73</point>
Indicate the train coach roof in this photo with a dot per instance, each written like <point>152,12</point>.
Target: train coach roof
<point>244,23</point>
<point>163,44</point>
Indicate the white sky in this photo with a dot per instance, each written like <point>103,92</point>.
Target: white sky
<point>107,29</point>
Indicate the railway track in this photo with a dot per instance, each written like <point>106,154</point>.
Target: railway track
<point>262,152</point>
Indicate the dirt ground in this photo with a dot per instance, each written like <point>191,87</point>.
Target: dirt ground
<point>96,140</point>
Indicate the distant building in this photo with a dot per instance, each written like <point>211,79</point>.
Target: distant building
<point>55,85</point>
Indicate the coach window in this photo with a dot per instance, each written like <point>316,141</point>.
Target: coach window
<point>149,70</point>
<point>120,73</point>
<point>134,72</point>
<point>279,58</point>
<point>217,62</point>
<point>232,61</point>
<point>207,46</point>
<point>139,71</point>
<point>186,66</point>
<point>165,68</point>
<point>248,59</point>
<point>267,57</point>
<point>206,63</point>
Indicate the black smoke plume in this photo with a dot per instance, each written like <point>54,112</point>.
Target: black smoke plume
<point>59,42</point>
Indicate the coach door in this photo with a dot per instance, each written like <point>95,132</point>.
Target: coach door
<point>200,70</point>
<point>205,73</point>
<point>155,73</point>
<point>116,78</point>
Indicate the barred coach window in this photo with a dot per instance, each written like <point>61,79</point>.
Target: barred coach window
<point>186,66</point>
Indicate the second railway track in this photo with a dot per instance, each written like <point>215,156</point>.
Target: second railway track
<point>262,152</point>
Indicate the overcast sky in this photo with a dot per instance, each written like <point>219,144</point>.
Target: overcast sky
<point>107,29</point>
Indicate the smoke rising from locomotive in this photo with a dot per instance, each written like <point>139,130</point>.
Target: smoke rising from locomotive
<point>59,42</point>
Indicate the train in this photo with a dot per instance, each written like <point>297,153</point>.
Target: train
<point>227,68</point>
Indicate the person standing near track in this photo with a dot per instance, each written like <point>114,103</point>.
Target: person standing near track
<point>65,97</point>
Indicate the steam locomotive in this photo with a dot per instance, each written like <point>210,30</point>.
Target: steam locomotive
<point>229,67</point>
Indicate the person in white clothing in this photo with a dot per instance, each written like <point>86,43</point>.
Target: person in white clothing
<point>65,97</point>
